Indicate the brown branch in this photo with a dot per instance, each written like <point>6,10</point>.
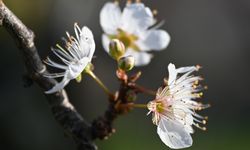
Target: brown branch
<point>142,89</point>
<point>63,111</point>
<point>102,127</point>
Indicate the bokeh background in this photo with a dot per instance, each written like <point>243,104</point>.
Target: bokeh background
<point>212,33</point>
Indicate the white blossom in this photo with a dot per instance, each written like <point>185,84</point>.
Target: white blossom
<point>174,107</point>
<point>134,27</point>
<point>76,56</point>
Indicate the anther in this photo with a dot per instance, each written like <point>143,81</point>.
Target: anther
<point>198,67</point>
<point>155,12</point>
<point>198,126</point>
<point>113,130</point>
<point>196,82</point>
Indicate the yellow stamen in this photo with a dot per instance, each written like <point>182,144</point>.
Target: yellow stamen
<point>198,126</point>
<point>196,82</point>
<point>127,39</point>
<point>159,107</point>
<point>58,46</point>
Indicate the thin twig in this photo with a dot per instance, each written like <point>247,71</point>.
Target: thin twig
<point>142,89</point>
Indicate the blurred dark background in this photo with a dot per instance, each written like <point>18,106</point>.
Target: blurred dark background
<point>214,34</point>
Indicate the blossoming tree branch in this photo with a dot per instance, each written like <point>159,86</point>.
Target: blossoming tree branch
<point>129,37</point>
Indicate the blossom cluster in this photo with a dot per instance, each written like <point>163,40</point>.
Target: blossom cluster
<point>129,37</point>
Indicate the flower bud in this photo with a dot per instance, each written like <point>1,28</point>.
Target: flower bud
<point>116,49</point>
<point>126,63</point>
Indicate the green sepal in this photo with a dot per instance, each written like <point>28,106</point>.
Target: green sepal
<point>79,78</point>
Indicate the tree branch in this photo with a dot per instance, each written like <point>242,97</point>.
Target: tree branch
<point>63,111</point>
<point>102,127</point>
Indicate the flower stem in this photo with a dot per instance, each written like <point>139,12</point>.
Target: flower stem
<point>100,83</point>
<point>139,105</point>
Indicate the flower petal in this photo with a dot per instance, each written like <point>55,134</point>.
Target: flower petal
<point>153,40</point>
<point>105,42</point>
<point>110,17</point>
<point>172,74</point>
<point>58,86</point>
<point>136,17</point>
<point>76,69</point>
<point>173,134</point>
<point>87,43</point>
<point>141,58</point>
<point>186,69</point>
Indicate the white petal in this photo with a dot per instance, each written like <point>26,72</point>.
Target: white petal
<point>183,77</point>
<point>141,58</point>
<point>87,32</point>
<point>183,114</point>
<point>105,42</point>
<point>75,69</point>
<point>153,40</point>
<point>173,134</point>
<point>87,42</point>
<point>136,17</point>
<point>186,69</point>
<point>110,17</point>
<point>189,129</point>
<point>58,86</point>
<point>172,74</point>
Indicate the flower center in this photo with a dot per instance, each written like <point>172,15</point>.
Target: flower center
<point>156,106</point>
<point>160,107</point>
<point>127,39</point>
